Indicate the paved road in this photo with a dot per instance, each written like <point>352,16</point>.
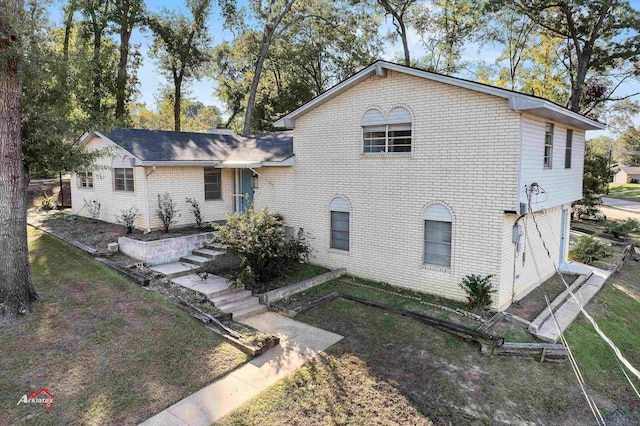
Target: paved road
<point>632,206</point>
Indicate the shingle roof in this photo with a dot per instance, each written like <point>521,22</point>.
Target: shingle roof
<point>631,170</point>
<point>161,145</point>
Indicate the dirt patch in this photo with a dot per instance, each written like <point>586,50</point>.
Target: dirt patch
<point>533,303</point>
<point>51,187</point>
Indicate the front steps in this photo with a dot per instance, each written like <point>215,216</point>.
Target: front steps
<point>240,303</point>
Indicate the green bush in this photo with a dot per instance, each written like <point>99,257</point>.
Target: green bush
<point>257,237</point>
<point>46,202</point>
<point>195,209</point>
<point>625,228</point>
<point>166,210</point>
<point>588,250</point>
<point>478,291</point>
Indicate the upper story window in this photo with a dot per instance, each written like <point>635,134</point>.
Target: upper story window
<point>386,135</point>
<point>437,235</point>
<point>85,180</point>
<point>568,149</point>
<point>339,209</point>
<point>548,146</point>
<point>212,184</point>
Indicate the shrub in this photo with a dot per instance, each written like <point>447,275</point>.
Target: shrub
<point>195,209</point>
<point>245,278</point>
<point>127,218</point>
<point>166,210</point>
<point>257,237</point>
<point>625,228</point>
<point>478,290</point>
<point>93,207</point>
<point>588,250</point>
<point>46,202</point>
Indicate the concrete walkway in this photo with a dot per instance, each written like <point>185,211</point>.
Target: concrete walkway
<point>298,344</point>
<point>570,310</point>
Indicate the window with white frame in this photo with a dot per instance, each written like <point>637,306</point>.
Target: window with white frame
<point>548,146</point>
<point>437,236</point>
<point>123,179</point>
<point>339,210</point>
<point>568,149</point>
<point>85,180</point>
<point>387,135</point>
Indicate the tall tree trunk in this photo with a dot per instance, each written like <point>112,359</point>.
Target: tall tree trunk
<point>270,28</point>
<point>405,43</point>
<point>69,11</point>
<point>578,83</point>
<point>121,80</point>
<point>97,68</point>
<point>251,103</point>
<point>177,100</point>
<point>16,289</point>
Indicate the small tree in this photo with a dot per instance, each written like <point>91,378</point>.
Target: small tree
<point>478,290</point>
<point>127,218</point>
<point>258,238</point>
<point>166,210</point>
<point>195,209</point>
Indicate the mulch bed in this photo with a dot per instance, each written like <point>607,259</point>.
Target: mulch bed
<point>533,303</point>
<point>97,233</point>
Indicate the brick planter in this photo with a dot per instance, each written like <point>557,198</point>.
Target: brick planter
<point>163,251</point>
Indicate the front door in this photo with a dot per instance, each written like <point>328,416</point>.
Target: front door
<point>563,233</point>
<point>245,189</point>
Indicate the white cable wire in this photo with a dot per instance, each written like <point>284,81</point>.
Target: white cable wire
<point>572,361</point>
<point>613,346</point>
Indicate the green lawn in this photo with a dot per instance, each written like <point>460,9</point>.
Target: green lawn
<point>108,350</point>
<point>393,370</point>
<point>629,191</point>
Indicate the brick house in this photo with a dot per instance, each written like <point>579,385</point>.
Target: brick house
<point>373,177</point>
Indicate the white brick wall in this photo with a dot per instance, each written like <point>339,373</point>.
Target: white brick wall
<point>465,154</point>
<point>180,182</point>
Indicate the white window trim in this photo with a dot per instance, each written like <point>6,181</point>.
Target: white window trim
<point>125,190</point>
<point>568,149</point>
<point>204,185</point>
<point>85,175</point>
<point>544,150</point>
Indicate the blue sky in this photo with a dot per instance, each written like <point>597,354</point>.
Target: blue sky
<point>151,80</point>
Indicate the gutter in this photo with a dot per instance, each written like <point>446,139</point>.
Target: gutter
<point>146,198</point>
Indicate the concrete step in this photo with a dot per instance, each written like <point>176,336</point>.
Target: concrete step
<point>212,286</point>
<point>208,253</point>
<point>175,269</point>
<point>194,259</point>
<point>247,312</point>
<point>232,296</point>
<point>239,304</point>
<point>216,246</point>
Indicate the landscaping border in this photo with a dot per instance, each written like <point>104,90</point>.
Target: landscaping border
<point>622,257</point>
<point>283,292</point>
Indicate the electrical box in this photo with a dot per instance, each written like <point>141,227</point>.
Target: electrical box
<point>517,237</point>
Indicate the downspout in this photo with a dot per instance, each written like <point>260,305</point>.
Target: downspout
<point>146,190</point>
<point>518,202</point>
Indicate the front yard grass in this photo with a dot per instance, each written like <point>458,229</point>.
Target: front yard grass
<point>393,370</point>
<point>108,350</point>
<point>628,191</point>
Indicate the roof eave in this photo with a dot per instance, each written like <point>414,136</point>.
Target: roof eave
<point>517,102</point>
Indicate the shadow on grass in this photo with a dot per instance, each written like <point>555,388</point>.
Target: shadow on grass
<point>109,351</point>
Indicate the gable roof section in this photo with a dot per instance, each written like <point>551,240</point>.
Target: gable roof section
<point>517,101</point>
<point>160,147</point>
<point>631,170</point>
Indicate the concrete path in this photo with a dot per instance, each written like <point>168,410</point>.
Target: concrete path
<point>570,310</point>
<point>632,206</point>
<point>298,344</point>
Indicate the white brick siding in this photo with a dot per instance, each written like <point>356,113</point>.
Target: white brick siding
<point>180,182</point>
<point>465,148</point>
